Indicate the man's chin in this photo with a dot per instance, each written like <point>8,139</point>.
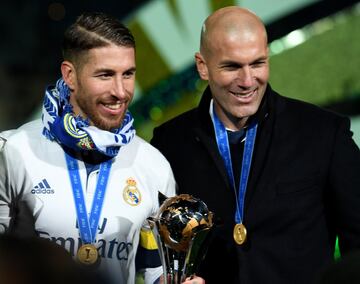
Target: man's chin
<point>108,126</point>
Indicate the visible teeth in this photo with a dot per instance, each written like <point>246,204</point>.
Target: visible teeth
<point>242,94</point>
<point>113,106</point>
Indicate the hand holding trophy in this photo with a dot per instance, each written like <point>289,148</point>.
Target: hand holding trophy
<point>181,229</point>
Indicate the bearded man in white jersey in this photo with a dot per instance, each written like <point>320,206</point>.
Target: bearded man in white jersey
<point>80,177</point>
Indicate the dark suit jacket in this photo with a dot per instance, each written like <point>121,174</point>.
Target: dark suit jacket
<point>303,190</point>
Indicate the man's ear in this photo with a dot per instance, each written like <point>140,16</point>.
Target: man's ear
<point>68,73</point>
<point>201,66</point>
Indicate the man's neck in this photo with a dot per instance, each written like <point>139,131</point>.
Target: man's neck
<point>89,157</point>
<point>235,125</point>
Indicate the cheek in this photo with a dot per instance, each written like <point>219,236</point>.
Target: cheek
<point>95,90</point>
<point>130,86</point>
<point>221,80</point>
<point>263,75</point>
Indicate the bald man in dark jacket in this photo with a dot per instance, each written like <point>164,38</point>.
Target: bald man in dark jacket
<point>282,176</point>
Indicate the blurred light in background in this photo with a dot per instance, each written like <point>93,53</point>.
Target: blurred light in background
<point>314,48</point>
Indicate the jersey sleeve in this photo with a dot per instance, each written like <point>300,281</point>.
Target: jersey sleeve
<point>5,195</point>
<point>167,189</point>
<point>15,212</point>
<point>147,258</point>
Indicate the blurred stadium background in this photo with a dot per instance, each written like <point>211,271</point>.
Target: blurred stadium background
<point>314,44</point>
<point>314,47</point>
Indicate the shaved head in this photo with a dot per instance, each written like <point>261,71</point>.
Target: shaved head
<point>233,23</point>
<point>233,58</point>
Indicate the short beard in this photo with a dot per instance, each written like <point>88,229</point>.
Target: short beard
<point>106,125</point>
<point>88,110</point>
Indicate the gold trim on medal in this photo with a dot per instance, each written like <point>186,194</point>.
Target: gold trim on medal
<point>240,233</point>
<point>87,254</point>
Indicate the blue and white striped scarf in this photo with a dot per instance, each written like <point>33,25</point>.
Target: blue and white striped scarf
<point>61,125</point>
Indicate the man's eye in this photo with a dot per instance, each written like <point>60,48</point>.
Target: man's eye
<point>230,67</point>
<point>104,76</point>
<point>258,64</point>
<point>129,74</point>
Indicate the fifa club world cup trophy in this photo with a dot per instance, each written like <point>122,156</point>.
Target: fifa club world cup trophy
<point>182,229</point>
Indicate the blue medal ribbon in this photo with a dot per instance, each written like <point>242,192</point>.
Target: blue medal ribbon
<point>88,226</point>
<point>224,149</point>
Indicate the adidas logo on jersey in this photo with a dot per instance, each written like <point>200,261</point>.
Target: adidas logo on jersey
<point>42,187</point>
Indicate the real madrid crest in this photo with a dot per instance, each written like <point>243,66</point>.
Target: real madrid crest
<point>131,194</point>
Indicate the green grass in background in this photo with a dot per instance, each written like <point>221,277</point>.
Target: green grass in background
<point>325,68</point>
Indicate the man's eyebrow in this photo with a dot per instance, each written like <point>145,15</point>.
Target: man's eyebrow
<point>104,70</point>
<point>232,62</point>
<point>229,62</point>
<point>132,69</point>
<point>261,58</point>
<point>112,71</point>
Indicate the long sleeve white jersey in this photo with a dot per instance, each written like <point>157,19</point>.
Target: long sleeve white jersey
<point>33,171</point>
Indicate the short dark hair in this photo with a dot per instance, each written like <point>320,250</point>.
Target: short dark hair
<point>92,30</point>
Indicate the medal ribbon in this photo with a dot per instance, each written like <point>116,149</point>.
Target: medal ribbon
<point>88,226</point>
<point>224,149</point>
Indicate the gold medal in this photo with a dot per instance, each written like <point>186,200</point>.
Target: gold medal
<point>239,233</point>
<point>87,254</point>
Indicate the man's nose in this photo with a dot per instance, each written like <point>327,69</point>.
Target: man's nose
<point>245,77</point>
<point>118,89</point>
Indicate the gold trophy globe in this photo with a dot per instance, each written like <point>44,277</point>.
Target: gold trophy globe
<point>182,230</point>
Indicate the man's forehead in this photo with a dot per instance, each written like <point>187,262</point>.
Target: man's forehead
<point>113,52</point>
<point>232,22</point>
<point>110,58</point>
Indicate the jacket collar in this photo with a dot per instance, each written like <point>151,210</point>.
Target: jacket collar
<point>266,115</point>
<point>260,115</point>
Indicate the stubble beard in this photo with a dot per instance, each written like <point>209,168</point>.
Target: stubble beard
<point>89,109</point>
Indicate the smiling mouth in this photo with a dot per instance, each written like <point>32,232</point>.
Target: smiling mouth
<point>243,95</point>
<point>114,106</point>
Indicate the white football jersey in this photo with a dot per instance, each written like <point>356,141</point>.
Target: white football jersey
<point>33,169</point>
